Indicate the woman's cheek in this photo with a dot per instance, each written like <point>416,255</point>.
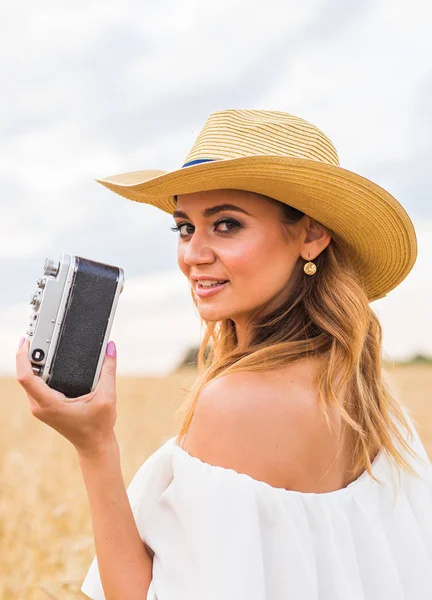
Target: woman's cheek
<point>181,263</point>
<point>240,260</point>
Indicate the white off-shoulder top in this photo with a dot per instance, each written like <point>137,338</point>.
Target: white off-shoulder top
<point>221,535</point>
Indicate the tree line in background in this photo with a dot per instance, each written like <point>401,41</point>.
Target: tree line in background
<point>190,359</point>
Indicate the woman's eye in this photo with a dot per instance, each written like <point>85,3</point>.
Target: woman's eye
<point>226,222</point>
<point>229,224</point>
<point>179,228</point>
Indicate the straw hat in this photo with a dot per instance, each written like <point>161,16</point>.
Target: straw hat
<point>289,159</point>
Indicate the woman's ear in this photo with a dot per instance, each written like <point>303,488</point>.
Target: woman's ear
<point>316,240</point>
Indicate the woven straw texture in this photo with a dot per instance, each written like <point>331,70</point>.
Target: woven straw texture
<point>289,159</point>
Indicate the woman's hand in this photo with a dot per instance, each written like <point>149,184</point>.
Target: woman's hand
<point>87,421</point>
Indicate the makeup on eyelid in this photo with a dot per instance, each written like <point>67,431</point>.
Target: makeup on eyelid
<point>236,224</point>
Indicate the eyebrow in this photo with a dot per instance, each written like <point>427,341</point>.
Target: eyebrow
<point>208,212</point>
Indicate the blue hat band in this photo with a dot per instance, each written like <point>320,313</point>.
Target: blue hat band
<point>198,161</point>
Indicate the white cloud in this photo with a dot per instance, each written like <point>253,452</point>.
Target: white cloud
<point>359,82</point>
<point>17,241</point>
<point>54,159</point>
<point>219,50</point>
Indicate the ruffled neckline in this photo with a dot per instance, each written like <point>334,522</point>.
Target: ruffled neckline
<point>378,464</point>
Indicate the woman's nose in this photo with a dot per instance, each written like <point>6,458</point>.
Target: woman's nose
<point>198,250</point>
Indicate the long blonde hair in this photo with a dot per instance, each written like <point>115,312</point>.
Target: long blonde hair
<point>327,314</point>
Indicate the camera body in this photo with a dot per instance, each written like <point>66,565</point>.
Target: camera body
<point>73,311</point>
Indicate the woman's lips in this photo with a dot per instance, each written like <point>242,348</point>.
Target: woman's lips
<point>204,292</point>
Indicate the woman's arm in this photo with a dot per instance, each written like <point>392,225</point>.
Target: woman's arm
<point>125,566</point>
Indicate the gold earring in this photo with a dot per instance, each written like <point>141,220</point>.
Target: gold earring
<point>310,267</point>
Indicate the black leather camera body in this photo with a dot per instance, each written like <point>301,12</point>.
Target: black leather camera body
<point>73,311</point>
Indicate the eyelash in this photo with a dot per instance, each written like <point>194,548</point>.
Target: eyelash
<point>236,223</point>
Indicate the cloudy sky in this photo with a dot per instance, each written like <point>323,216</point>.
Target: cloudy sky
<point>93,88</point>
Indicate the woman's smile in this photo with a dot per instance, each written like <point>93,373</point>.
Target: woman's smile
<point>205,292</point>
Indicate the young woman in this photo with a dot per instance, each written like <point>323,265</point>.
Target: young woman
<point>296,472</point>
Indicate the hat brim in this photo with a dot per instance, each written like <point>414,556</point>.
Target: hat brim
<point>372,225</point>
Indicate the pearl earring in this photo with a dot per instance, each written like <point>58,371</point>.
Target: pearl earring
<point>310,267</point>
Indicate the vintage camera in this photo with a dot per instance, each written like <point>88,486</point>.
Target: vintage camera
<point>73,311</point>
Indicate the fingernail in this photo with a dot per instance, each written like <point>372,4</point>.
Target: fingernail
<point>21,342</point>
<point>111,349</point>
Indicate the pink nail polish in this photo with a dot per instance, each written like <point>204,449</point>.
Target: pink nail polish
<point>111,349</point>
<point>21,342</point>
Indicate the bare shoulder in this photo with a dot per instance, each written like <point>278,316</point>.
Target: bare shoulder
<point>267,425</point>
<point>219,427</point>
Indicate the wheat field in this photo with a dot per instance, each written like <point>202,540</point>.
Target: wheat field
<point>46,542</point>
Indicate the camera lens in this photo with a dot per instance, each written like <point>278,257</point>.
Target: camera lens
<point>38,355</point>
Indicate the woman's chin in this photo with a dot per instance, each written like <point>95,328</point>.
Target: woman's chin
<point>209,313</point>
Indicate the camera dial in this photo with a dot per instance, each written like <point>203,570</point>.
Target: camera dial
<point>35,300</point>
<point>51,267</point>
